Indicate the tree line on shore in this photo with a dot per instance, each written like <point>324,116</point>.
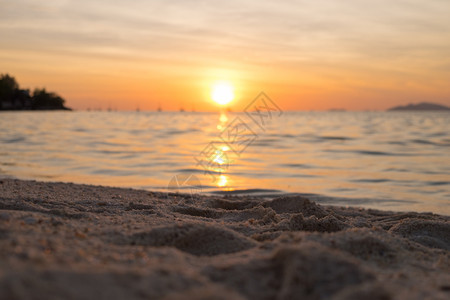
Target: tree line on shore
<point>12,97</point>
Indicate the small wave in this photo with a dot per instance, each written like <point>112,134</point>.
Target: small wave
<point>396,170</point>
<point>137,131</point>
<point>197,171</point>
<point>298,166</point>
<point>177,132</point>
<point>396,143</point>
<point>80,130</point>
<point>335,138</point>
<point>80,168</point>
<point>112,172</point>
<point>246,192</point>
<point>368,152</point>
<point>278,135</point>
<point>14,140</point>
<point>166,164</point>
<point>109,144</point>
<point>8,164</point>
<point>264,142</point>
<point>128,156</point>
<point>381,153</point>
<point>438,134</point>
<point>438,183</point>
<point>434,172</point>
<point>381,180</point>
<point>423,142</point>
<point>299,175</point>
<point>342,190</point>
<point>109,152</point>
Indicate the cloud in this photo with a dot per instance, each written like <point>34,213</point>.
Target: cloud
<point>266,27</point>
<point>298,38</point>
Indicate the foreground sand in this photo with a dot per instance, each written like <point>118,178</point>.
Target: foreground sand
<point>67,241</point>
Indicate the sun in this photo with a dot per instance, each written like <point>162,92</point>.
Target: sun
<point>222,92</point>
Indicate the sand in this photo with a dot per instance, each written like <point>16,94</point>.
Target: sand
<point>68,241</point>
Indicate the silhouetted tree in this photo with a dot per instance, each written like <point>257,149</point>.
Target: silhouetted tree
<point>13,98</point>
<point>8,89</point>
<point>22,99</point>
<point>45,100</point>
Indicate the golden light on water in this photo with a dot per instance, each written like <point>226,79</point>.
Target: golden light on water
<point>222,92</point>
<point>219,158</point>
<point>223,180</point>
<point>223,118</point>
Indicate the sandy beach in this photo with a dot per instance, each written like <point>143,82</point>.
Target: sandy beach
<point>68,241</point>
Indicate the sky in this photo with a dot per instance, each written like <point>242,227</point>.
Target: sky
<point>305,55</point>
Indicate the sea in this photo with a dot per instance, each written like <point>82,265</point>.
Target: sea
<point>381,160</point>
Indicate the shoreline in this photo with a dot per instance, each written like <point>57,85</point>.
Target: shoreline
<point>384,205</point>
<point>81,241</point>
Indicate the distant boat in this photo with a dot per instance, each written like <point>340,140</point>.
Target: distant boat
<point>181,109</point>
<point>337,109</point>
<point>159,109</point>
<point>423,106</point>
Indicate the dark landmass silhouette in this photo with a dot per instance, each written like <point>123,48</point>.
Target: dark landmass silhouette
<point>423,106</point>
<point>12,97</point>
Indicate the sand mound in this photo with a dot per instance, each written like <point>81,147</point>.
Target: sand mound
<point>326,224</point>
<point>434,234</point>
<point>232,204</point>
<point>299,271</point>
<point>296,205</point>
<point>66,241</point>
<point>195,238</point>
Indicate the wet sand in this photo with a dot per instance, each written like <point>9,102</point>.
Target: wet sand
<point>68,241</point>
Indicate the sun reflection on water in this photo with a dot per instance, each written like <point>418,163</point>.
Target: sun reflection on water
<point>223,119</point>
<point>223,180</point>
<point>221,156</point>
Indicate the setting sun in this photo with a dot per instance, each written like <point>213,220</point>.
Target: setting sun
<point>222,92</point>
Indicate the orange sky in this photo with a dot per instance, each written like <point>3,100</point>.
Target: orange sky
<point>306,55</point>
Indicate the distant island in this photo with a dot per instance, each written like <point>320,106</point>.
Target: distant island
<point>12,97</point>
<point>423,106</point>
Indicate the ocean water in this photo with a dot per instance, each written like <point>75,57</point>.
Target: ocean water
<point>383,160</point>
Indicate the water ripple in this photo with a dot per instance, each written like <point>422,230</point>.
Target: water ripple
<point>380,159</point>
